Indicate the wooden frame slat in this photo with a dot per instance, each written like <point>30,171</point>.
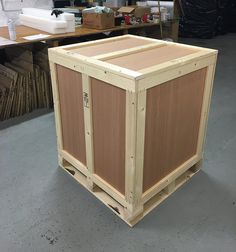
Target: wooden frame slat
<point>140,141</point>
<point>129,145</point>
<point>86,83</point>
<point>205,107</point>
<point>56,109</point>
<point>128,51</point>
<point>170,72</point>
<point>105,74</point>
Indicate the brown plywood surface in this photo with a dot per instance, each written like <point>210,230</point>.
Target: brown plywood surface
<point>72,114</point>
<point>172,125</point>
<point>112,46</point>
<point>108,106</point>
<point>152,57</point>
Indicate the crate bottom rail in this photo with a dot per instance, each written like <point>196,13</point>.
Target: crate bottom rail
<point>163,189</point>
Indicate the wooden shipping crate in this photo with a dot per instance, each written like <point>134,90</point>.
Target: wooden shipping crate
<point>131,115</point>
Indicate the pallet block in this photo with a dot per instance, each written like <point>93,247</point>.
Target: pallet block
<point>131,115</point>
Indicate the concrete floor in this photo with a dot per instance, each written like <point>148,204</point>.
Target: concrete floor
<point>43,209</point>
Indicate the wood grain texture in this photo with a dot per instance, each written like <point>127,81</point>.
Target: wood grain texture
<point>23,31</point>
<point>108,107</point>
<point>72,113</point>
<point>172,125</point>
<point>112,46</point>
<point>151,57</point>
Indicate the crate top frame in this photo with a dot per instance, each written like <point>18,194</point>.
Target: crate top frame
<point>132,62</point>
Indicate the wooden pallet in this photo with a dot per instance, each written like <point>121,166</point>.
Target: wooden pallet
<point>166,187</point>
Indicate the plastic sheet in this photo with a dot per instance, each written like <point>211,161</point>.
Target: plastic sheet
<point>204,19</point>
<point>199,18</point>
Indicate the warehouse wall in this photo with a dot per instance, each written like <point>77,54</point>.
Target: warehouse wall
<point>18,4</point>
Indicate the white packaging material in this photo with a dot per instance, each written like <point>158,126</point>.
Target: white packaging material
<point>154,10</point>
<point>143,3</point>
<point>114,3</point>
<point>11,29</point>
<point>169,5</point>
<point>42,20</point>
<point>11,9</point>
<point>97,9</point>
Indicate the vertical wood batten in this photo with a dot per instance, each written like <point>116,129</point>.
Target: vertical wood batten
<point>140,140</point>
<point>86,85</point>
<point>205,108</point>
<point>57,114</point>
<point>130,136</point>
<point>135,113</point>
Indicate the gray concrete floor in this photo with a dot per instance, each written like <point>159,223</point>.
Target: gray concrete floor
<point>44,209</point>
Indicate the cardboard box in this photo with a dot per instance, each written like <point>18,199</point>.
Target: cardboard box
<point>142,10</point>
<point>126,10</point>
<point>137,11</point>
<point>98,20</point>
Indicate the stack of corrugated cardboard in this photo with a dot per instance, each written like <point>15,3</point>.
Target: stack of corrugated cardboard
<point>25,82</point>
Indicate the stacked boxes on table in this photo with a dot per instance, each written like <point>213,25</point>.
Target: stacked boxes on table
<point>131,115</point>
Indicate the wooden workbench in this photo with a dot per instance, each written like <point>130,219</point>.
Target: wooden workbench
<point>23,31</point>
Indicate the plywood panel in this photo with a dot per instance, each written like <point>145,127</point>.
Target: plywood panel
<point>172,125</point>
<point>152,57</point>
<point>72,114</point>
<point>112,46</point>
<point>108,106</point>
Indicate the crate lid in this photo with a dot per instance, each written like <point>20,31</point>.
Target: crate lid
<point>130,56</point>
<point>109,46</point>
<point>147,58</point>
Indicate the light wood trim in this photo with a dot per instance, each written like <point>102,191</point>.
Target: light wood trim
<point>170,188</point>
<point>98,192</point>
<point>207,50</point>
<point>119,209</point>
<point>128,51</point>
<point>175,62</point>
<point>94,42</point>
<point>95,71</point>
<point>109,189</point>
<point>169,178</point>
<point>86,84</point>
<point>140,142</point>
<point>75,162</point>
<point>175,43</point>
<point>130,138</point>
<point>148,39</point>
<point>205,107</point>
<point>161,196</point>
<point>56,109</point>
<point>54,53</point>
<point>166,74</point>
<point>135,112</point>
